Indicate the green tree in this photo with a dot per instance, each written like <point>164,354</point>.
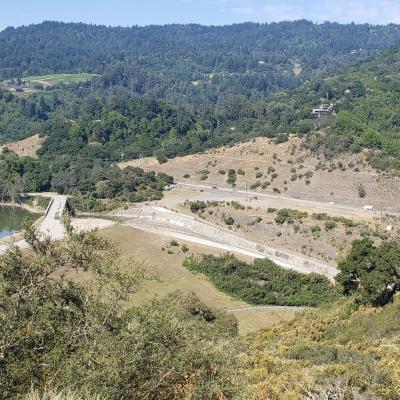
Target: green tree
<point>59,333</point>
<point>371,273</point>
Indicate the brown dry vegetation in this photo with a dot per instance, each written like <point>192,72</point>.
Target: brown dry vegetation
<point>335,352</point>
<point>27,147</point>
<point>331,181</point>
<point>170,276</point>
<point>308,235</point>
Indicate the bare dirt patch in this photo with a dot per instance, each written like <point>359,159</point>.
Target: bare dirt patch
<point>148,162</point>
<point>297,68</point>
<point>27,147</point>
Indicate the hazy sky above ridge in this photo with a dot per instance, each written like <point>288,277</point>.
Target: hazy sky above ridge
<point>209,12</point>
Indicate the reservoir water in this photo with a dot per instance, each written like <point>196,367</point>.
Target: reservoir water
<point>12,219</point>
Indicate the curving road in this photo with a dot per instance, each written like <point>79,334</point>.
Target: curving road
<point>166,222</point>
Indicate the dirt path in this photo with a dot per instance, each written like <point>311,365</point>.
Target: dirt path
<point>269,308</point>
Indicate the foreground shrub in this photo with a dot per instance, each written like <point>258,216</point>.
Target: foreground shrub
<point>371,272</point>
<point>340,351</point>
<point>62,333</point>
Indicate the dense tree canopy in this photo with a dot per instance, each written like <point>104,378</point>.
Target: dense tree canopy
<point>367,101</point>
<point>90,181</point>
<point>62,333</point>
<point>92,125</point>
<point>371,272</point>
<point>192,63</point>
<point>263,282</point>
<point>168,91</point>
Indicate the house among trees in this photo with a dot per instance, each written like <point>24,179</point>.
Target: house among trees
<point>17,89</point>
<point>323,109</point>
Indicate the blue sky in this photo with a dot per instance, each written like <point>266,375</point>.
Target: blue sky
<point>218,12</point>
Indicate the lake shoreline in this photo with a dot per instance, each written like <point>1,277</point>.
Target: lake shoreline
<point>12,216</point>
<point>22,206</point>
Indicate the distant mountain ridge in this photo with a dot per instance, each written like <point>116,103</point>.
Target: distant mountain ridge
<point>108,110</point>
<point>193,64</point>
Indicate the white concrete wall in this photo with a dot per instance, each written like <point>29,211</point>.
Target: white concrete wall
<point>158,218</point>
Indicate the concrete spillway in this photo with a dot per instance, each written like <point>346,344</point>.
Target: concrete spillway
<point>165,221</point>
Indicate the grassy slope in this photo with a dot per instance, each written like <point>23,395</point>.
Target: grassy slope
<point>54,79</point>
<point>337,345</point>
<point>26,147</point>
<point>172,276</point>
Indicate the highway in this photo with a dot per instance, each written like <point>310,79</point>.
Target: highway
<point>270,200</point>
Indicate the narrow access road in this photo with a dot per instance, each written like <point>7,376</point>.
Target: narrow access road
<point>271,308</point>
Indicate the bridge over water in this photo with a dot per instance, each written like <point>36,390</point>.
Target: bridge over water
<point>51,225</point>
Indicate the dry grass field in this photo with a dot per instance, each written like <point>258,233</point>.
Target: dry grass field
<point>54,79</point>
<point>301,178</point>
<point>26,147</point>
<point>172,276</point>
<point>293,171</point>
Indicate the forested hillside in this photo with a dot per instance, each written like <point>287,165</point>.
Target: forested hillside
<point>192,64</point>
<point>95,124</point>
<point>68,325</point>
<point>366,100</point>
<point>87,129</point>
<point>368,107</point>
<point>91,125</point>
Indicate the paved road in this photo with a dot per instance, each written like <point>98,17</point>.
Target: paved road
<point>52,226</point>
<point>265,200</point>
